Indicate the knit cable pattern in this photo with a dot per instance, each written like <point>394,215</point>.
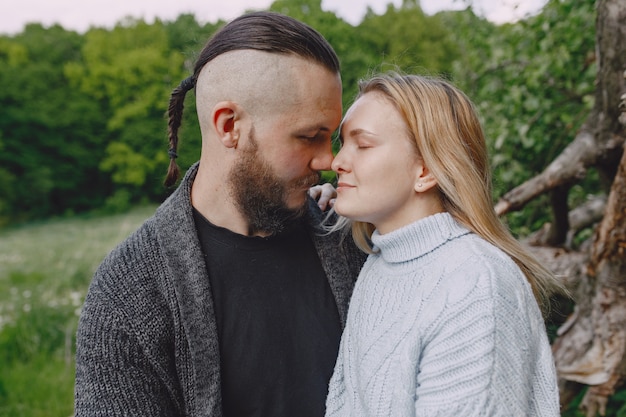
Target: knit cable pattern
<point>441,323</point>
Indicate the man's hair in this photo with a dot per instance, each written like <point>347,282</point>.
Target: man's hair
<point>261,31</point>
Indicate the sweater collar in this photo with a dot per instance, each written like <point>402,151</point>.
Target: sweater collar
<point>417,239</point>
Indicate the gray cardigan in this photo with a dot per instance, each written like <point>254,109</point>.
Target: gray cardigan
<point>147,339</point>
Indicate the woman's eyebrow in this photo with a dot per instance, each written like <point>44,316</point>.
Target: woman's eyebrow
<point>360,131</point>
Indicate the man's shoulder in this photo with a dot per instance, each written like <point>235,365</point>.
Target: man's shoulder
<point>132,263</point>
<point>135,246</point>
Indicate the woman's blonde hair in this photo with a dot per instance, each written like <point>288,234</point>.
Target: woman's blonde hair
<point>444,125</point>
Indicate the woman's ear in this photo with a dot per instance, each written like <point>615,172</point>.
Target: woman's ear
<point>424,180</point>
<point>225,118</point>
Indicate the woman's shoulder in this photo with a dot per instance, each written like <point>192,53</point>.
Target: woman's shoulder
<point>472,267</point>
<point>472,254</point>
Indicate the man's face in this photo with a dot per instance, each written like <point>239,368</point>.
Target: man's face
<point>260,194</point>
<point>283,154</point>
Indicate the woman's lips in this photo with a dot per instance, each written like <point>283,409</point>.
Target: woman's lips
<point>344,186</point>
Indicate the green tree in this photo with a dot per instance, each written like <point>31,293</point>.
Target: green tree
<point>408,39</point>
<point>130,72</point>
<point>48,129</point>
<point>533,84</point>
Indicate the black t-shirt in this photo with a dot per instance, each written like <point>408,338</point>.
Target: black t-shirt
<point>277,321</point>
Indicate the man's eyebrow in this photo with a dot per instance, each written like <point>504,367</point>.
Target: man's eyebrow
<point>315,128</point>
<point>318,129</point>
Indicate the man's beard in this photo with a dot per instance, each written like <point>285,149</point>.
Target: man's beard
<point>260,195</point>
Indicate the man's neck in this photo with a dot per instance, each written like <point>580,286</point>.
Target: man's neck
<point>211,197</point>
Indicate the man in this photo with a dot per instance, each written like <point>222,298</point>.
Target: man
<point>230,300</point>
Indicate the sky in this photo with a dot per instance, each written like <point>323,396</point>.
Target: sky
<point>80,15</point>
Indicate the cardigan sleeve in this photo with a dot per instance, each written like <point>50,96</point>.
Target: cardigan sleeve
<point>119,372</point>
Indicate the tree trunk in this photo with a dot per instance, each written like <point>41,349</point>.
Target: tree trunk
<point>592,344</point>
<point>591,347</point>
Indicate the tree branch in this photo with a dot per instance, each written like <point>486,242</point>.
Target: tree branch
<point>570,166</point>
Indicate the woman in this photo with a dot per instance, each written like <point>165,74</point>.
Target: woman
<point>445,318</point>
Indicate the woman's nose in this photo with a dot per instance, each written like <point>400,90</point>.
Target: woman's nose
<point>338,164</point>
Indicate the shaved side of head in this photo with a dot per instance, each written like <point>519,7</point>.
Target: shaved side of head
<point>261,83</point>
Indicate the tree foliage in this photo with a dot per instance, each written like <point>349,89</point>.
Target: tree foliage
<point>412,41</point>
<point>533,83</point>
<point>49,130</point>
<point>84,122</point>
<point>129,71</point>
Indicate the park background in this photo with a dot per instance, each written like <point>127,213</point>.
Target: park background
<point>83,144</point>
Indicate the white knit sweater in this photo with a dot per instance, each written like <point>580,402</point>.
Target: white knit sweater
<point>442,323</point>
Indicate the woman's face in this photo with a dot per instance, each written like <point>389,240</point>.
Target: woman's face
<point>378,166</point>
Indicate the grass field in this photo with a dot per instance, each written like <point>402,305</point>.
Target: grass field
<point>45,270</point>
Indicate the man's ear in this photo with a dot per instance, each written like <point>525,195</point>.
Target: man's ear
<point>424,179</point>
<point>225,117</point>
